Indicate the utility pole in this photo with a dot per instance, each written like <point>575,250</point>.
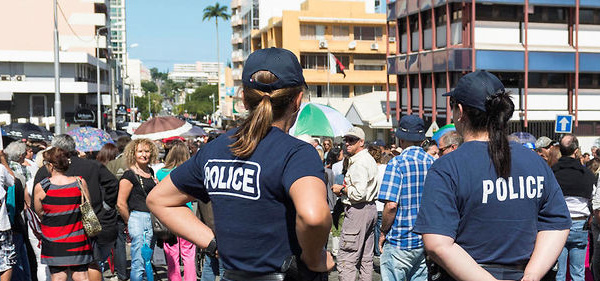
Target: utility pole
<point>98,100</point>
<point>57,103</point>
<point>112,97</point>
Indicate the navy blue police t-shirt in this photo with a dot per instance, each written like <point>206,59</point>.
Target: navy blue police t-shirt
<point>495,220</point>
<point>254,215</point>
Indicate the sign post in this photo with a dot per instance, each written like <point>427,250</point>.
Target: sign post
<point>563,124</point>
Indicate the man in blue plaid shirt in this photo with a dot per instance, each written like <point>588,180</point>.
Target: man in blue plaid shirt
<point>403,255</point>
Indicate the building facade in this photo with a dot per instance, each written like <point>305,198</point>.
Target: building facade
<point>27,57</point>
<point>199,72</point>
<point>327,39</point>
<point>342,52</point>
<point>546,52</point>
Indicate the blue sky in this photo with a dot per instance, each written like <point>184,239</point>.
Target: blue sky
<point>169,32</point>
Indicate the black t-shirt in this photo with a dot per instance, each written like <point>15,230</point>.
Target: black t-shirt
<point>137,197</point>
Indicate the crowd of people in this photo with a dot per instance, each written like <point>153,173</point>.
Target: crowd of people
<point>41,228</point>
<point>473,205</point>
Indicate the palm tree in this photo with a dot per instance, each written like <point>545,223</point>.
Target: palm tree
<point>217,11</point>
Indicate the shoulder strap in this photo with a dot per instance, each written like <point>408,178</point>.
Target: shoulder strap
<point>45,184</point>
<point>141,181</point>
<point>84,197</point>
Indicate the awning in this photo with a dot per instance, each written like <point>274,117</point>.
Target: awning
<point>6,96</point>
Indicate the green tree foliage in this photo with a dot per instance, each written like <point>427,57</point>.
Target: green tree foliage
<point>155,104</point>
<point>170,89</point>
<point>157,75</point>
<point>199,101</point>
<point>149,87</point>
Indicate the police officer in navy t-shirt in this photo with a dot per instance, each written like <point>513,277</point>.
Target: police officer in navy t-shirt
<point>491,209</point>
<point>266,187</point>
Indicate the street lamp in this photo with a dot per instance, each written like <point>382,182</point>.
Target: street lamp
<point>212,97</point>
<point>99,110</point>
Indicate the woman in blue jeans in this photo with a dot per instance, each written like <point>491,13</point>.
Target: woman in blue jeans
<point>134,186</point>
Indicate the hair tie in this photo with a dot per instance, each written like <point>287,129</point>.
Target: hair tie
<point>265,96</point>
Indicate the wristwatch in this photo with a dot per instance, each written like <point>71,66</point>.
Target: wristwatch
<point>343,188</point>
<point>211,249</point>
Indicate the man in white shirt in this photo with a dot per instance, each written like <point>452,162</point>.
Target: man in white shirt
<point>358,193</point>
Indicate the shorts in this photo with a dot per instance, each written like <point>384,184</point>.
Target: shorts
<point>73,268</point>
<point>101,251</point>
<point>8,255</point>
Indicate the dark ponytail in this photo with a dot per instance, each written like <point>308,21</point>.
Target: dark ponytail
<point>499,109</point>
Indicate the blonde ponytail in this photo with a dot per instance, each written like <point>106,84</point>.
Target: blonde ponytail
<point>265,108</point>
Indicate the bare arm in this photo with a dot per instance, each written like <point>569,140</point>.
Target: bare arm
<point>548,245</point>
<point>388,216</point>
<point>454,259</point>
<point>125,187</point>
<point>38,196</point>
<point>27,199</point>
<point>167,203</point>
<point>313,222</point>
<point>387,219</point>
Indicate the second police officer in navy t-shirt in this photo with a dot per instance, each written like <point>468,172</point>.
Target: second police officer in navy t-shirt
<point>491,209</point>
<point>266,187</point>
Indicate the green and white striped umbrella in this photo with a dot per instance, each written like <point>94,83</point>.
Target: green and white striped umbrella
<point>320,120</point>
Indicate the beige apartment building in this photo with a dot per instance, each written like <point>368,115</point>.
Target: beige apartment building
<point>355,34</point>
<point>356,38</point>
<point>27,57</point>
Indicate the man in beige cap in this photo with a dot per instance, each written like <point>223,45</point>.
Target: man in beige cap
<point>358,193</point>
<point>542,147</point>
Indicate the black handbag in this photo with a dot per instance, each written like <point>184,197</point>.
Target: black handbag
<point>158,228</point>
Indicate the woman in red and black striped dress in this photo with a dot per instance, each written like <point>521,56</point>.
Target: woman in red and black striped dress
<point>65,246</point>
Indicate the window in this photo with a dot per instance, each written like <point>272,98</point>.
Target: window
<point>312,32</point>
<point>510,13</point>
<point>440,16</point>
<point>366,89</point>
<point>456,15</point>
<point>549,15</point>
<point>335,91</point>
<point>392,32</point>
<point>369,62</point>
<point>367,33</point>
<point>338,91</point>
<point>511,79</point>
<point>320,61</point>
<point>547,80</point>
<point>255,14</point>
<point>341,32</point>
<point>589,16</point>
<point>426,18</point>
<point>37,105</point>
<point>308,32</point>
<point>589,80</point>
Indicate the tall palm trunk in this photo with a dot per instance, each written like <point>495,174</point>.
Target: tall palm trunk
<point>218,62</point>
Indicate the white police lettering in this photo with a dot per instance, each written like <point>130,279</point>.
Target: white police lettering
<point>233,178</point>
<point>529,187</point>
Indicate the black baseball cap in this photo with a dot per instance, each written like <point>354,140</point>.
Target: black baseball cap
<point>281,62</point>
<point>474,88</point>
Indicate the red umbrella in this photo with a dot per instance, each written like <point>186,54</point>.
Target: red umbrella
<point>161,127</point>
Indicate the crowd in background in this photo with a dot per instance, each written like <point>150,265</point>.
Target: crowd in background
<point>119,176</point>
